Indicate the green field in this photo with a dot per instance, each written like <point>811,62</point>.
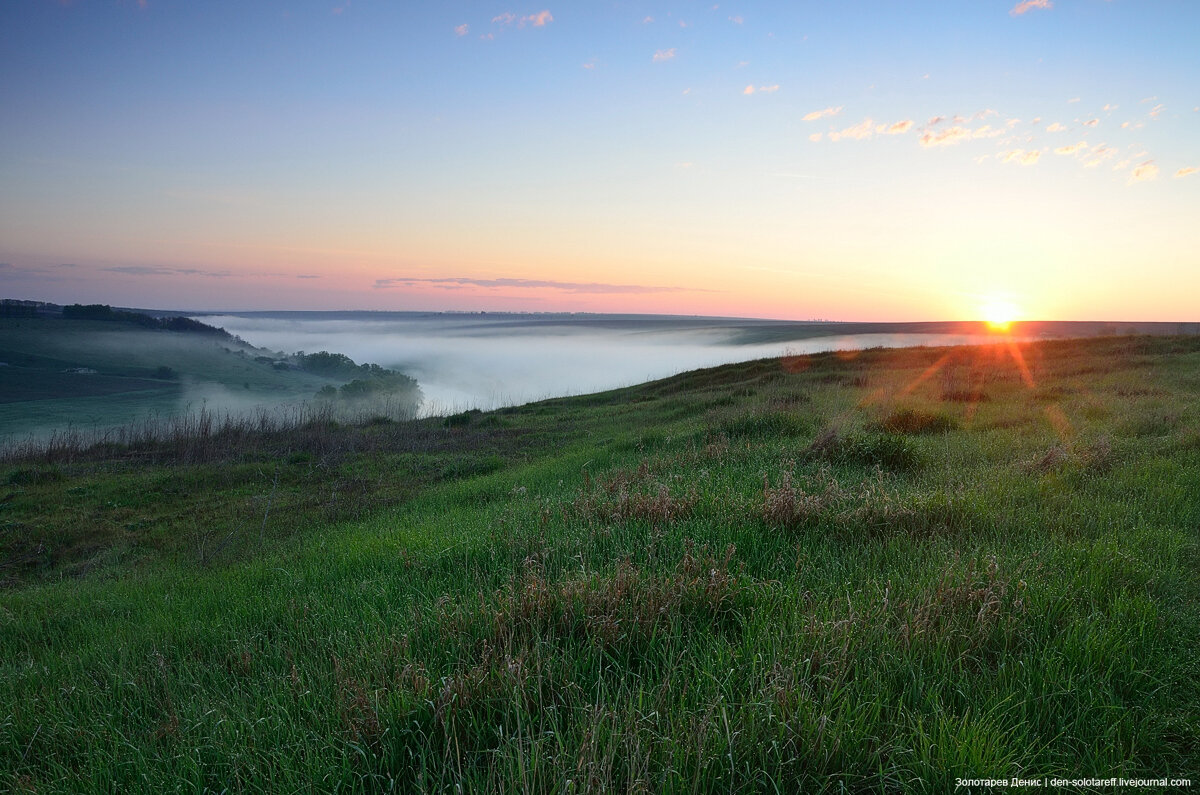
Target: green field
<point>878,571</point>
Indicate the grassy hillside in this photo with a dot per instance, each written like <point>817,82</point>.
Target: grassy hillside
<point>59,372</point>
<point>878,571</point>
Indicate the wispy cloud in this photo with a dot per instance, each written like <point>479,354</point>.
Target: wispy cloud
<point>1028,5</point>
<point>1091,122</point>
<point>736,20</point>
<point>154,270</point>
<point>1187,171</point>
<point>647,20</point>
<point>1056,127</point>
<point>1099,154</point>
<point>1025,157</point>
<point>664,55</point>
<point>1073,149</point>
<point>538,19</point>
<point>861,131</point>
<point>1157,110</point>
<point>868,128</point>
<point>455,283</point>
<point>957,134</point>
<point>815,137</point>
<point>820,114</point>
<point>462,30</point>
<point>1144,172</point>
<point>748,90</point>
<point>899,128</point>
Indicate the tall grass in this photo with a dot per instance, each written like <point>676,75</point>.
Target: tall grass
<point>662,589</point>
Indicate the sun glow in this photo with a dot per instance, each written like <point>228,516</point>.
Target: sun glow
<point>999,314</point>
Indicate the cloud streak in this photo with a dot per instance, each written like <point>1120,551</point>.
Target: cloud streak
<point>663,55</point>
<point>1028,5</point>
<point>957,134</point>
<point>820,114</point>
<point>595,288</point>
<point>154,270</point>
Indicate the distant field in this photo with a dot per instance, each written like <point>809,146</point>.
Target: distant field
<point>126,381</point>
<point>859,571</point>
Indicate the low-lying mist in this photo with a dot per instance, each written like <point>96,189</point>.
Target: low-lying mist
<point>489,361</point>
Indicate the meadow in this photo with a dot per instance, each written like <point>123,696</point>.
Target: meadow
<point>870,571</point>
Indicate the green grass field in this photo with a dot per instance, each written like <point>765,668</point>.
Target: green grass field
<point>878,571</point>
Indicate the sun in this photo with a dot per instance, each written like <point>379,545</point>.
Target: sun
<point>999,314</point>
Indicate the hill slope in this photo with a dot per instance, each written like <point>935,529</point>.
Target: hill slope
<point>58,371</point>
<point>880,571</point>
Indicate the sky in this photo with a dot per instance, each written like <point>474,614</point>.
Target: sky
<point>836,160</point>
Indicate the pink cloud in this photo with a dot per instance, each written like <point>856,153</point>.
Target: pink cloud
<point>664,55</point>
<point>1026,5</point>
<point>1091,122</point>
<point>1099,154</point>
<point>1186,172</point>
<point>956,134</point>
<point>820,114</point>
<point>950,135</point>
<point>538,20</point>
<point>462,30</point>
<point>815,137</point>
<point>899,128</point>
<point>1056,127</point>
<point>1072,149</point>
<point>1022,156</point>
<point>1144,172</point>
<point>861,131</point>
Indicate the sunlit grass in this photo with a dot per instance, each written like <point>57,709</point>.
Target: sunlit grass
<point>763,580</point>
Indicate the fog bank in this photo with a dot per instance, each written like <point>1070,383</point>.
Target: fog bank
<point>468,361</point>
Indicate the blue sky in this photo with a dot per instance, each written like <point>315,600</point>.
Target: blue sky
<point>856,160</point>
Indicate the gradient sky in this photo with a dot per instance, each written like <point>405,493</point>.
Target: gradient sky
<point>845,160</point>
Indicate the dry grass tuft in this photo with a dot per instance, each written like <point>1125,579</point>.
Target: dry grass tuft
<point>967,606</point>
<point>623,495</point>
<point>628,607</point>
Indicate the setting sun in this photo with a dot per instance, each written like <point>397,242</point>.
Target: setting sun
<point>999,314</point>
